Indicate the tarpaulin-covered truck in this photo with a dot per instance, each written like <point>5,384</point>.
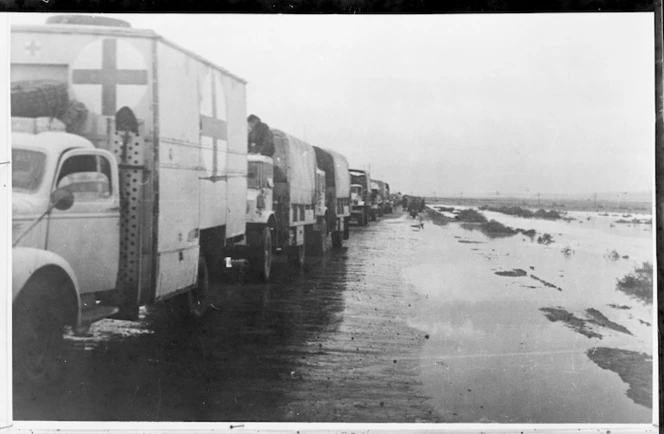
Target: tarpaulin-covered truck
<point>388,202</point>
<point>337,197</point>
<point>139,199</point>
<point>285,204</point>
<point>376,199</point>
<point>381,196</point>
<point>360,194</point>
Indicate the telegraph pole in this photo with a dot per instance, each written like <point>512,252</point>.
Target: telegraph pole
<point>659,143</point>
<point>595,200</point>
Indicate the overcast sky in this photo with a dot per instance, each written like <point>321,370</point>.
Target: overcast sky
<point>516,104</point>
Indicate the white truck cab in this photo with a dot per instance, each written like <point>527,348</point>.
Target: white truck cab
<point>63,189</point>
<point>46,162</point>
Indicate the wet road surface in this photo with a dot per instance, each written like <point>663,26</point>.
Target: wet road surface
<point>404,324</point>
<point>329,343</point>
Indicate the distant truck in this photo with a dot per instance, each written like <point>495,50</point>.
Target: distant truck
<point>286,209</point>
<point>388,206</point>
<point>337,197</point>
<point>381,197</point>
<point>134,205</point>
<point>360,192</point>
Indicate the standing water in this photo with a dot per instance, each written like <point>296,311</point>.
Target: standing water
<point>528,332</point>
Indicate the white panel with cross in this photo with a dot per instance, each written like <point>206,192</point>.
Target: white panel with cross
<point>109,73</point>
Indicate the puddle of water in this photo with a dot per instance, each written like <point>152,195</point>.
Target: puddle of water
<point>494,356</point>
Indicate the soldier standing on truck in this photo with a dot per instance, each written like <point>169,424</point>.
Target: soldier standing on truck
<point>260,137</point>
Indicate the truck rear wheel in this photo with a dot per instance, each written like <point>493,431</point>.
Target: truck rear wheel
<point>373,215</point>
<point>192,304</point>
<point>38,340</point>
<point>337,239</point>
<point>263,260</point>
<point>365,217</point>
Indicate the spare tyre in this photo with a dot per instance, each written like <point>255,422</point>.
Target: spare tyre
<point>39,98</point>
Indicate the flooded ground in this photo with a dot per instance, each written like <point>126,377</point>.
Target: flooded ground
<point>514,323</point>
<point>405,324</point>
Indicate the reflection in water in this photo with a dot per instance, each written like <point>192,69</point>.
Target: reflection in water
<point>235,364</point>
<point>501,358</point>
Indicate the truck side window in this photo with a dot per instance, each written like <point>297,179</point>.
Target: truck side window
<point>87,176</point>
<point>254,175</point>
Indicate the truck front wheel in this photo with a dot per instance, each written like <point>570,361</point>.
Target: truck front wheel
<point>296,254</point>
<point>38,326</point>
<point>263,260</point>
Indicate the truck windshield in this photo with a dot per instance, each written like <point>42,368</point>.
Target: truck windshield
<point>27,169</point>
<point>254,175</point>
<point>356,178</point>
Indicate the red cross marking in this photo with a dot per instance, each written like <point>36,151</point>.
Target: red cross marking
<point>33,47</point>
<point>215,128</point>
<point>109,76</point>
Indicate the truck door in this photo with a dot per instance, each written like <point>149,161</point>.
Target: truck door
<point>87,235</point>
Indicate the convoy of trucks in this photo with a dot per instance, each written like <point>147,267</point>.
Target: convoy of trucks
<point>132,184</point>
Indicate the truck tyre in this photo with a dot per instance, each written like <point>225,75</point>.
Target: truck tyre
<point>263,259</point>
<point>320,240</point>
<point>373,215</point>
<point>296,254</point>
<point>346,229</point>
<point>337,239</point>
<point>38,340</point>
<point>365,218</point>
<point>193,304</point>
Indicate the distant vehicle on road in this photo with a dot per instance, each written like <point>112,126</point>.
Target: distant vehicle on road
<point>360,187</point>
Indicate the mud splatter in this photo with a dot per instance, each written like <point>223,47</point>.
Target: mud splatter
<point>517,272</point>
<point>581,325</point>
<point>601,320</point>
<point>575,323</point>
<point>545,283</point>
<point>634,368</point>
<point>620,307</point>
<point>470,242</point>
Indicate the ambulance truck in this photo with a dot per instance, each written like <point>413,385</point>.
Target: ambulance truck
<point>136,202</point>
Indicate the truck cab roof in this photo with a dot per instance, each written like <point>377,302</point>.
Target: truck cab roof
<point>50,142</point>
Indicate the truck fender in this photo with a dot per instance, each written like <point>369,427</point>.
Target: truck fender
<point>30,263</point>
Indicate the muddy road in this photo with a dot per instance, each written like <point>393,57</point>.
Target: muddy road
<point>329,343</point>
<point>404,324</point>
